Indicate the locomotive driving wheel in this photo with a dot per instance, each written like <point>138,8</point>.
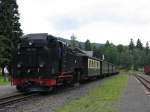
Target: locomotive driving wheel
<point>19,88</point>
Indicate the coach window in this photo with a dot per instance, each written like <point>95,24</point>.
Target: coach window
<point>90,63</point>
<point>96,64</point>
<point>93,63</point>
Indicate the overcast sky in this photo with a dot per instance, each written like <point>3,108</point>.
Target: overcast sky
<point>96,20</point>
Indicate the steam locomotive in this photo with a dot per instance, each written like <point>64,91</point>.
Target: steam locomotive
<point>42,62</point>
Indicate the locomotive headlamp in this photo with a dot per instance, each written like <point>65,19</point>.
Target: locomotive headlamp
<point>41,65</point>
<point>30,43</point>
<point>18,65</point>
<point>18,47</point>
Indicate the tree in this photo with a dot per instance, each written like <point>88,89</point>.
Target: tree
<point>120,48</point>
<point>138,58</point>
<point>87,45</point>
<point>73,42</point>
<point>99,52</point>
<point>9,20</point>
<point>107,44</point>
<point>126,59</point>
<point>147,60</point>
<point>80,45</point>
<point>5,50</point>
<point>139,44</point>
<point>9,25</point>
<point>131,45</point>
<point>147,48</point>
<point>93,46</point>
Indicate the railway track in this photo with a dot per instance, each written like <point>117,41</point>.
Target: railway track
<point>144,81</point>
<point>14,99</point>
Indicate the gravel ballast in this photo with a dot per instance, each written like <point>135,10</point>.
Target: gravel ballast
<point>6,90</point>
<point>53,101</point>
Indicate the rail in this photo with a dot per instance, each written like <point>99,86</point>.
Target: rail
<point>145,82</point>
<point>15,98</point>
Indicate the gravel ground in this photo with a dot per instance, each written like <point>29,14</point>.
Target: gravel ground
<point>51,102</point>
<point>6,90</point>
<point>134,98</point>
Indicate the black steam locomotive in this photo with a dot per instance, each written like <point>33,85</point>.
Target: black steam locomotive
<point>42,62</point>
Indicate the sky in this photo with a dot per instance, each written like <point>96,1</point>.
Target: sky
<point>97,20</point>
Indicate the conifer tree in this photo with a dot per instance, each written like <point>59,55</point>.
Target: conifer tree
<point>9,26</point>
<point>139,44</point>
<point>120,48</point>
<point>107,44</point>
<point>131,45</point>
<point>73,42</point>
<point>147,48</point>
<point>87,45</point>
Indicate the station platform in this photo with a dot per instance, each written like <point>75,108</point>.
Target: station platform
<point>135,97</point>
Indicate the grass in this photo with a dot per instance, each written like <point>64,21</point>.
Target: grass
<point>2,81</point>
<point>100,99</point>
